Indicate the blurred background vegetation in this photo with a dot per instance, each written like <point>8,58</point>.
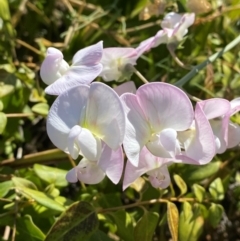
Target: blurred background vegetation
<point>202,203</point>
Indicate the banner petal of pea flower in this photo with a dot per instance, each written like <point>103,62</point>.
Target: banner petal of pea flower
<point>85,67</point>
<point>78,121</point>
<point>154,116</point>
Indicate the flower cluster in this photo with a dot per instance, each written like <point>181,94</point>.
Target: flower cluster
<point>156,123</point>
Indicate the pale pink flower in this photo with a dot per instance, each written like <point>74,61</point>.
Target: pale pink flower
<point>160,117</point>
<point>155,167</point>
<point>85,67</point>
<point>87,120</point>
<point>218,112</point>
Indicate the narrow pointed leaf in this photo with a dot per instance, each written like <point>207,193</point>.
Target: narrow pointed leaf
<point>180,183</point>
<point>41,198</point>
<point>173,217</point>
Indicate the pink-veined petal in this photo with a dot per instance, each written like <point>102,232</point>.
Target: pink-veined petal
<point>75,76</point>
<point>145,46</point>
<point>111,162</point>
<point>201,145</point>
<point>89,172</point>
<point>67,111</point>
<point>215,107</point>
<point>90,145</point>
<point>138,131</point>
<point>182,28</point>
<point>160,38</point>
<point>165,106</point>
<point>233,135</point>
<point>127,87</point>
<point>105,116</point>
<point>89,56</point>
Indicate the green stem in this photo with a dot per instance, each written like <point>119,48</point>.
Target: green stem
<point>211,59</point>
<point>159,200</point>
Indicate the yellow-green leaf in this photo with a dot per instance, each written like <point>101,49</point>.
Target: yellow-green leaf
<point>173,218</point>
<point>216,189</point>
<point>199,192</point>
<point>180,183</point>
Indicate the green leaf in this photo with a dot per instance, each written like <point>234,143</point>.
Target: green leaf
<point>173,217</point>
<point>41,108</point>
<point>22,183</point>
<point>180,183</point>
<point>28,229</point>
<point>145,227</point>
<point>1,105</point>
<point>198,173</point>
<point>216,189</point>
<point>141,4</point>
<point>190,223</point>
<point>51,175</point>
<point>6,90</point>
<point>78,222</point>
<point>124,225</point>
<point>42,198</point>
<point>99,236</point>
<point>215,214</point>
<point>3,122</point>
<point>5,188</point>
<point>199,192</point>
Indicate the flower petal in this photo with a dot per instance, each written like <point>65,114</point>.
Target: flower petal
<point>67,111</point>
<point>72,175</point>
<point>165,106</point>
<point>171,20</point>
<point>89,172</point>
<point>75,76</point>
<point>51,65</point>
<point>215,107</point>
<point>138,131</point>
<point>89,56</point>
<point>72,147</point>
<point>105,116</point>
<point>233,135</point>
<point>90,146</point>
<point>160,177</point>
<point>127,87</point>
<point>235,106</point>
<point>111,162</point>
<point>201,145</point>
<point>182,28</point>
<point>147,162</point>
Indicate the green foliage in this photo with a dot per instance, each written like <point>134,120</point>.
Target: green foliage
<point>146,226</point>
<point>78,222</point>
<point>173,219</point>
<point>36,202</point>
